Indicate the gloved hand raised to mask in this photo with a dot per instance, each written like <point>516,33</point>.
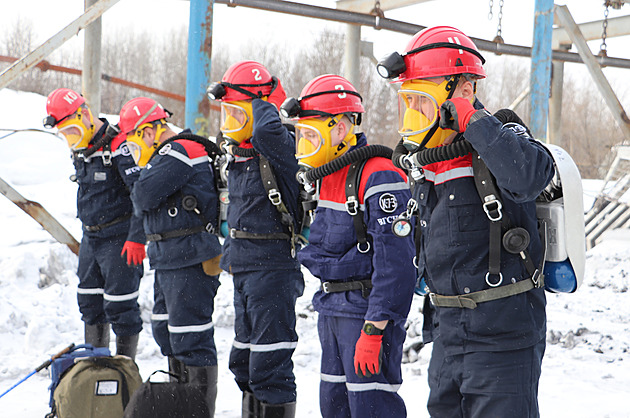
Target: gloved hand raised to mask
<point>135,253</point>
<point>277,95</point>
<point>457,113</point>
<point>368,355</point>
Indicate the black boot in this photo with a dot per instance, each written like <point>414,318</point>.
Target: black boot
<point>127,345</point>
<point>97,335</point>
<point>178,368</point>
<point>251,405</point>
<point>285,410</point>
<point>205,378</point>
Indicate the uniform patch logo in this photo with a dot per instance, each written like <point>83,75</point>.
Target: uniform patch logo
<point>100,176</point>
<point>165,149</point>
<point>388,202</point>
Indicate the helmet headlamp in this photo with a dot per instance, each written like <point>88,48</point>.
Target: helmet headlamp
<point>216,91</point>
<point>290,108</point>
<point>391,66</point>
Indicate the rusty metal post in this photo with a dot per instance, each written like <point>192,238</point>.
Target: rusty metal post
<point>199,65</point>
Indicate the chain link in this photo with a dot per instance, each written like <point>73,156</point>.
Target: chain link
<point>490,15</point>
<point>603,47</point>
<point>500,18</point>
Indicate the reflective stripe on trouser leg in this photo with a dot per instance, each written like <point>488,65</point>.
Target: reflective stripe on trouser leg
<point>375,396</point>
<point>108,288</point>
<point>265,340</point>
<point>189,299</point>
<point>503,383</point>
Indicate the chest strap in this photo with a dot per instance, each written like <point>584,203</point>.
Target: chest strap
<point>235,234</point>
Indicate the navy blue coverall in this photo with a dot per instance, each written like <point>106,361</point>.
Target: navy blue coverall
<point>183,293</point>
<point>332,256</point>
<point>267,278</point>
<point>108,287</point>
<point>486,361</point>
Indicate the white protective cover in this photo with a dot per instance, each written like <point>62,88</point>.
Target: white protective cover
<point>571,182</point>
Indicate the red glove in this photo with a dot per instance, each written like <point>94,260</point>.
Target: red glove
<point>135,253</point>
<point>277,96</point>
<point>368,355</point>
<point>455,114</point>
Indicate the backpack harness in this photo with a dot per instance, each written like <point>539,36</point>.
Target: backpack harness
<point>515,240</point>
<point>189,202</point>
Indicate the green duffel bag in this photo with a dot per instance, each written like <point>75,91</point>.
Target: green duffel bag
<point>96,387</point>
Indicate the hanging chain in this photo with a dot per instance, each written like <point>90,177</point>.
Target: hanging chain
<point>490,15</point>
<point>603,47</point>
<point>500,18</point>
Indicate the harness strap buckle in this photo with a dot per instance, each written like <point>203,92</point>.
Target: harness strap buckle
<point>275,197</point>
<point>352,206</point>
<point>492,206</point>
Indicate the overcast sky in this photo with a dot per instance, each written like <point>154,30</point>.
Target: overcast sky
<point>240,25</point>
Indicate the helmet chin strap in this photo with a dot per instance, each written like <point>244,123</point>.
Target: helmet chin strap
<point>450,87</point>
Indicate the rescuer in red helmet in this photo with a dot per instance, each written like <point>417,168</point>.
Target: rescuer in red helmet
<point>263,218</point>
<point>112,247</point>
<point>366,292</point>
<point>177,198</point>
<point>478,251</point>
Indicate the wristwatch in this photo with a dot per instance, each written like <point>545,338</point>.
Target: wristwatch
<point>370,329</point>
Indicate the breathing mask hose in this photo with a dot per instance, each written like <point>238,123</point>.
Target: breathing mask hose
<point>447,152</point>
<point>359,154</point>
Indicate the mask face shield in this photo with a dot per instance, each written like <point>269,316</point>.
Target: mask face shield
<point>236,121</point>
<point>75,131</point>
<point>314,144</point>
<point>419,102</point>
<point>140,151</point>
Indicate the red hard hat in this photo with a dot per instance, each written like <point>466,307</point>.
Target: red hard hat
<point>247,75</point>
<point>436,57</point>
<point>138,111</point>
<point>63,102</point>
<point>331,94</point>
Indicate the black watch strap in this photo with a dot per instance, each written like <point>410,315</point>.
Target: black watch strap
<point>371,329</point>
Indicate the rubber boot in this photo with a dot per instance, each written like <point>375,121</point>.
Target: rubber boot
<point>285,410</point>
<point>178,368</point>
<point>97,335</point>
<point>205,378</point>
<point>251,405</point>
<point>127,345</point>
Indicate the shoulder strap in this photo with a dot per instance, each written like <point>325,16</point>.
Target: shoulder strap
<point>502,234</point>
<point>275,197</point>
<point>353,206</point>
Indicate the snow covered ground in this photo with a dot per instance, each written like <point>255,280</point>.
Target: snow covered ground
<point>586,370</point>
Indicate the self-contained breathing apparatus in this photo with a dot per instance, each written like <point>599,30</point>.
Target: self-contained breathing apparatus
<point>298,229</point>
<point>558,209</point>
<point>310,180</point>
<point>189,202</point>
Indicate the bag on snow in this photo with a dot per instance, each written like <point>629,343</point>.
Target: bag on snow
<point>166,399</point>
<point>93,385</point>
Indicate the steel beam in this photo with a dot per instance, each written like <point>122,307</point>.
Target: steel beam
<point>618,113</point>
<point>366,6</point>
<point>31,59</point>
<point>617,26</point>
<point>199,65</point>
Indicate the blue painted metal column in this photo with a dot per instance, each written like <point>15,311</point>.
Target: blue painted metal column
<point>540,77</point>
<point>199,65</point>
